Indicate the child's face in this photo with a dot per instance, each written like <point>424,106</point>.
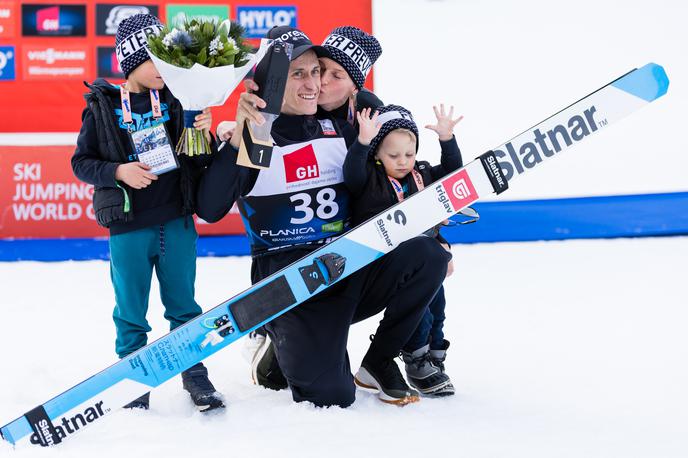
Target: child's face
<point>397,152</point>
<point>145,76</point>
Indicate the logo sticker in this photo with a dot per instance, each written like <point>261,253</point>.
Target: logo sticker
<point>457,190</point>
<point>301,165</point>
<point>54,20</point>
<point>108,17</point>
<point>7,68</point>
<point>66,61</point>
<point>177,14</point>
<point>258,20</point>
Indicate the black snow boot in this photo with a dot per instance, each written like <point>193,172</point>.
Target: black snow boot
<point>387,380</point>
<point>423,375</point>
<point>202,392</point>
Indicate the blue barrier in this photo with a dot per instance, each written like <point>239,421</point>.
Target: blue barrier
<point>642,215</point>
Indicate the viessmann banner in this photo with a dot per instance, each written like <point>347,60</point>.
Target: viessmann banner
<point>48,48</point>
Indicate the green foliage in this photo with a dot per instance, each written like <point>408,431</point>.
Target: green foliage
<point>207,43</point>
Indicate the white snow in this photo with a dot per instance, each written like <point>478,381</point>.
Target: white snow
<point>559,349</point>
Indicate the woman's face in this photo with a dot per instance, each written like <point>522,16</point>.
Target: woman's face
<point>335,85</point>
<point>303,85</point>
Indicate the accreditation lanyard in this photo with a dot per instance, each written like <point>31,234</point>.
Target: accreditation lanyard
<point>126,105</point>
<point>399,189</point>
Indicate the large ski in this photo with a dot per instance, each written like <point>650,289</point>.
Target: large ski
<point>87,402</point>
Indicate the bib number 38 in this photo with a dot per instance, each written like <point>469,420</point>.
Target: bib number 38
<point>325,206</point>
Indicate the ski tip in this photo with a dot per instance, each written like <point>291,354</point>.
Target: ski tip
<point>649,82</point>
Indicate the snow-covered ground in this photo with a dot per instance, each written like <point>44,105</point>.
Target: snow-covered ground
<point>559,349</point>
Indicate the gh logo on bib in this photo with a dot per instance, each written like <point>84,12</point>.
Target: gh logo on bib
<point>301,165</point>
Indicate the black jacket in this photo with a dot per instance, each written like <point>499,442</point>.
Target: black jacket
<point>104,143</point>
<point>370,188</point>
<point>224,182</point>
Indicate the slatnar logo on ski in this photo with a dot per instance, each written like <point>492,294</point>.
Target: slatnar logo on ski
<point>66,426</point>
<point>382,230</point>
<point>517,158</point>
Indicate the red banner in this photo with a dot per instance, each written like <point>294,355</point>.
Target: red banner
<point>41,198</point>
<point>48,48</point>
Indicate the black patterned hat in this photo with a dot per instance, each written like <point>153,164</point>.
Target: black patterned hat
<point>296,38</point>
<point>131,40</point>
<point>354,50</point>
<point>393,117</point>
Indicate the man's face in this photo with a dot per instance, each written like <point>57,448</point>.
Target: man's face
<point>303,85</point>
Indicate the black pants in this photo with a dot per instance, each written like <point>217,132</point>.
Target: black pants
<point>310,340</point>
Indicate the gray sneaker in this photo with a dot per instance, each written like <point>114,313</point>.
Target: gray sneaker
<point>424,375</point>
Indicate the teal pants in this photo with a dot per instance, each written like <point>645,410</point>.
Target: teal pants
<point>169,248</point>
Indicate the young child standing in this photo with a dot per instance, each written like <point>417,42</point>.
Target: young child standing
<point>144,194</point>
<point>381,170</point>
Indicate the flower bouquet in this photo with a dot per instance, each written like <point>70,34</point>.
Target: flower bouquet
<point>201,63</point>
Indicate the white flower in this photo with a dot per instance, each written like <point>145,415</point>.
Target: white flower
<point>231,42</point>
<point>215,46</point>
<point>170,38</point>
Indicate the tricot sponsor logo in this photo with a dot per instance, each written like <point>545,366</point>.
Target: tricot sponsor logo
<point>50,55</point>
<point>259,20</point>
<point>66,426</point>
<point>517,158</point>
<point>5,13</point>
<point>301,165</point>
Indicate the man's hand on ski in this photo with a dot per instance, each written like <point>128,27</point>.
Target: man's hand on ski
<point>368,126</point>
<point>445,124</point>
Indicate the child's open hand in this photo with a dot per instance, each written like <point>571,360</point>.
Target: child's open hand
<point>367,127</point>
<point>445,124</point>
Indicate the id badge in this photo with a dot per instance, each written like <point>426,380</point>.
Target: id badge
<point>153,148</point>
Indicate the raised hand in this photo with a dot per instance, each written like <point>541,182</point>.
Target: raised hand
<point>445,124</point>
<point>367,127</point>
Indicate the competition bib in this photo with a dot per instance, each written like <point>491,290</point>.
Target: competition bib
<point>300,199</point>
